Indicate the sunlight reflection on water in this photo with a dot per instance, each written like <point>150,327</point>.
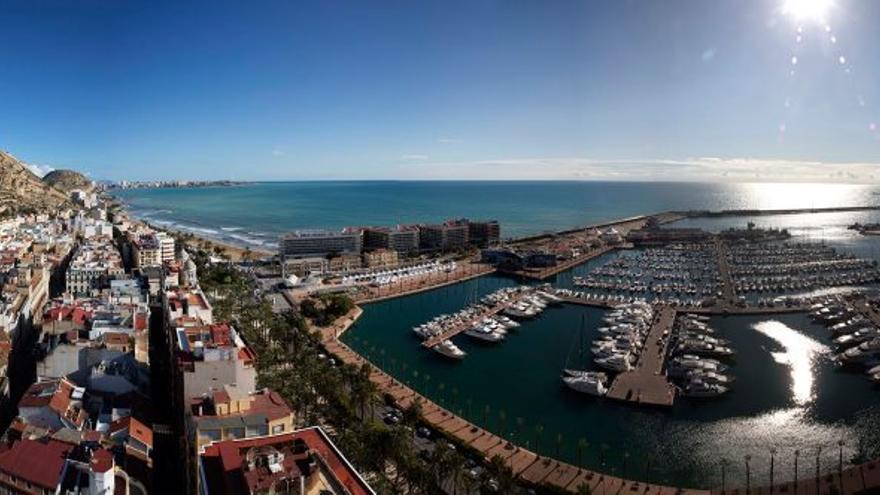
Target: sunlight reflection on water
<point>800,355</point>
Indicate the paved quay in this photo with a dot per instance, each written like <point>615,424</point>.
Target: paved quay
<point>525,464</point>
<point>543,273</point>
<point>465,271</point>
<point>646,384</point>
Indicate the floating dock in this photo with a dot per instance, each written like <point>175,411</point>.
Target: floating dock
<point>646,384</point>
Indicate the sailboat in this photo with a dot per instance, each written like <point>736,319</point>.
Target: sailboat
<point>584,381</point>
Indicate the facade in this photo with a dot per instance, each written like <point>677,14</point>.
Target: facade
<point>447,236</point>
<point>96,263</point>
<point>345,263</point>
<point>147,250</point>
<point>309,243</point>
<point>211,355</point>
<point>484,233</point>
<point>166,247</point>
<point>303,267</point>
<point>381,258</point>
<point>403,239</point>
<point>229,413</point>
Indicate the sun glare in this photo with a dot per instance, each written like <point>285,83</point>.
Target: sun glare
<point>807,10</point>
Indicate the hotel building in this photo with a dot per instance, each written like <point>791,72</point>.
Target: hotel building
<point>309,243</point>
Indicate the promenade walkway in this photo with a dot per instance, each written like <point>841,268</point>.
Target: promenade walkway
<point>414,285</point>
<point>646,383</point>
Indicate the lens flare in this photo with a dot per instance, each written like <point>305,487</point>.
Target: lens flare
<point>807,10</point>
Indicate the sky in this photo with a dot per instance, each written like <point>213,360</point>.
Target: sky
<point>446,89</point>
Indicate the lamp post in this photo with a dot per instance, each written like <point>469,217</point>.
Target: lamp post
<point>818,469</point>
<point>840,464</point>
<point>797,453</point>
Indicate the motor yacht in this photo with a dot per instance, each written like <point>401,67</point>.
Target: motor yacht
<point>588,382</point>
<point>450,350</point>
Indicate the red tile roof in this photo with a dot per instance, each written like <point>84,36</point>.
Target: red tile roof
<point>39,463</point>
<point>224,461</point>
<point>141,432</point>
<point>102,461</point>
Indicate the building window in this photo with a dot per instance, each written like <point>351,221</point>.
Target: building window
<point>278,429</point>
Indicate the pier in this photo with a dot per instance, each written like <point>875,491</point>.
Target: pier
<point>463,326</point>
<point>728,296</point>
<point>646,383</point>
<point>542,273</point>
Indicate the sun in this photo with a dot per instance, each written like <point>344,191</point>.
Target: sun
<point>807,10</point>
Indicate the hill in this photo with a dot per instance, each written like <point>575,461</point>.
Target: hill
<point>21,191</point>
<point>68,180</point>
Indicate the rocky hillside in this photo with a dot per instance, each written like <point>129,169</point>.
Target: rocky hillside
<point>21,191</point>
<point>68,180</point>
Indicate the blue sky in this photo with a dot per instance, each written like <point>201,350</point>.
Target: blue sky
<point>617,89</point>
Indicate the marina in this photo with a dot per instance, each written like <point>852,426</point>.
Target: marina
<point>646,383</point>
<point>694,362</point>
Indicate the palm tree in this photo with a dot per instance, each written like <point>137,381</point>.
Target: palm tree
<point>724,463</point>
<point>502,473</point>
<point>582,445</point>
<point>558,443</point>
<point>748,459</point>
<point>772,466</point>
<point>539,430</point>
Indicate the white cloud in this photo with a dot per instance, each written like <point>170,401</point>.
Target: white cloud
<point>414,157</point>
<point>277,152</point>
<point>708,54</point>
<point>687,169</point>
<point>39,170</point>
<point>448,140</point>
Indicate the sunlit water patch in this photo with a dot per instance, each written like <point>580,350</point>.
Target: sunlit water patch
<point>800,355</point>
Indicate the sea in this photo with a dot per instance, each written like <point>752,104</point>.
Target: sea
<point>790,404</point>
<point>256,214</point>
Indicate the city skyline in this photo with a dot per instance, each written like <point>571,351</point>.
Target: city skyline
<point>686,90</point>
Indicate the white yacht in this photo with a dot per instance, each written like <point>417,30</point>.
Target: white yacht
<point>615,362</point>
<point>485,334</point>
<point>450,350</point>
<point>698,388</point>
<point>588,382</point>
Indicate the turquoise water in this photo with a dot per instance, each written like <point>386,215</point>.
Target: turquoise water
<point>256,214</point>
<point>788,394</point>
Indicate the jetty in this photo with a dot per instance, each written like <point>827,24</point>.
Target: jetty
<point>454,330</point>
<point>646,384</point>
<point>728,296</point>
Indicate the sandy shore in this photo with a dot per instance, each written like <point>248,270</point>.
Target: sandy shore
<point>229,250</point>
